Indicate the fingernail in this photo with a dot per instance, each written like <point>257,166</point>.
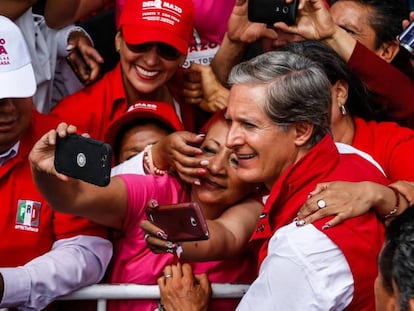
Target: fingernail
<point>202,135</point>
<point>300,222</point>
<point>296,219</point>
<point>197,183</point>
<point>310,195</point>
<point>171,245</point>
<point>326,226</point>
<point>202,172</point>
<point>70,47</point>
<point>162,235</point>
<point>153,203</point>
<point>204,162</point>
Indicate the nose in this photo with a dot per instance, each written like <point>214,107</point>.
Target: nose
<point>234,137</point>
<point>217,163</point>
<point>151,57</point>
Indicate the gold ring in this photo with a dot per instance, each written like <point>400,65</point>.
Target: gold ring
<point>167,276</point>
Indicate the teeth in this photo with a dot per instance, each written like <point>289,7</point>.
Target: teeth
<point>246,156</point>
<point>146,73</point>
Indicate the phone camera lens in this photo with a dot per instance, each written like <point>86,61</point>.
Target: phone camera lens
<point>81,159</point>
<point>285,9</point>
<point>193,222</point>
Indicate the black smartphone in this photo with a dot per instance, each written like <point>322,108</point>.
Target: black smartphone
<point>181,222</point>
<point>84,158</point>
<point>272,11</point>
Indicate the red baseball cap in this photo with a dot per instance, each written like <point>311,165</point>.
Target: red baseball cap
<point>170,22</point>
<point>159,111</point>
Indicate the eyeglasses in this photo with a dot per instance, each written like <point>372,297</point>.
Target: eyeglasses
<point>163,50</point>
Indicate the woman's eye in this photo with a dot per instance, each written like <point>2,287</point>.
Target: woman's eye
<point>207,149</point>
<point>234,161</point>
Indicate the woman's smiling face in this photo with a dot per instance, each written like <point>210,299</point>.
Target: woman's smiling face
<point>220,187</point>
<point>145,71</point>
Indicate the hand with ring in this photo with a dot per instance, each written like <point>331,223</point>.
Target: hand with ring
<point>181,290</point>
<point>156,239</point>
<point>340,199</point>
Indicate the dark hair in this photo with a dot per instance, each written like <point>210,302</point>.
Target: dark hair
<point>357,103</point>
<point>396,261</point>
<point>136,122</point>
<point>386,18</point>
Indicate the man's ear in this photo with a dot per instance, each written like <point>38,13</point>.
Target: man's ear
<point>388,50</point>
<point>303,132</point>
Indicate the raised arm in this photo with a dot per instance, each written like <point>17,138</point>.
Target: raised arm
<point>240,33</point>
<point>61,13</point>
<point>13,9</point>
<point>104,205</point>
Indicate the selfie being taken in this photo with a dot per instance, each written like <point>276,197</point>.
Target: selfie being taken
<point>122,205</point>
<point>219,155</point>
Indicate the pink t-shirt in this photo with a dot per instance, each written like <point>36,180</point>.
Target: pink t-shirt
<point>133,262</point>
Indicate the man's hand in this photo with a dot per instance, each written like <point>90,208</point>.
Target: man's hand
<point>83,58</point>
<point>202,88</point>
<point>181,290</point>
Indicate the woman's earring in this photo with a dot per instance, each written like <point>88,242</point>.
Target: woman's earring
<point>343,110</point>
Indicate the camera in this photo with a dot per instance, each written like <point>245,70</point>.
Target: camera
<point>272,11</point>
<point>406,38</point>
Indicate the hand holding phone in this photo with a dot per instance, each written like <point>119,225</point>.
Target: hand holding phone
<point>272,11</point>
<point>83,158</point>
<point>181,222</point>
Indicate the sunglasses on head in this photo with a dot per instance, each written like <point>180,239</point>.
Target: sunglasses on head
<point>163,50</point>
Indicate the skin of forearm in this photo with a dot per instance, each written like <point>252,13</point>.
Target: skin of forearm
<point>160,156</point>
<point>217,247</point>
<point>61,13</point>
<point>229,54</point>
<point>383,199</point>
<point>13,9</point>
<point>342,42</point>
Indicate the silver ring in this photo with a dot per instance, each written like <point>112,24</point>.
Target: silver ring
<point>146,236</point>
<point>167,276</point>
<point>321,203</point>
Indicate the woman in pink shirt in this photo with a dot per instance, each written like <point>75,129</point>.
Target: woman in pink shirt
<point>121,206</point>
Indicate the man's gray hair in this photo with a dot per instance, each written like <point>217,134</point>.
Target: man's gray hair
<point>298,90</point>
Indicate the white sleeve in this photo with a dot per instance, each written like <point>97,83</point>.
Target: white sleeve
<point>71,264</point>
<point>135,165</point>
<point>304,270</point>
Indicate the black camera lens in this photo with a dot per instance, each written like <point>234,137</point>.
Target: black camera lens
<point>406,38</point>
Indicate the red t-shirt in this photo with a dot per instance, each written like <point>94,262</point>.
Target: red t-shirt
<point>28,226</point>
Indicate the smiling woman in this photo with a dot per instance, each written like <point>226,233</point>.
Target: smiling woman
<point>152,51</point>
<point>121,205</point>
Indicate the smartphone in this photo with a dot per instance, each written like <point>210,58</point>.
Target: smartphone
<point>272,11</point>
<point>84,158</point>
<point>181,222</point>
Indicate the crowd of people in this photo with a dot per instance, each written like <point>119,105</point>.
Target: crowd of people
<point>294,140</point>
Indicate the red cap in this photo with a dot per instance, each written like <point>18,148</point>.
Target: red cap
<point>170,22</point>
<point>162,112</point>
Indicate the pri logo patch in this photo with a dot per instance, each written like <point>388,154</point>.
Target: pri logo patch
<point>4,56</point>
<point>28,215</point>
